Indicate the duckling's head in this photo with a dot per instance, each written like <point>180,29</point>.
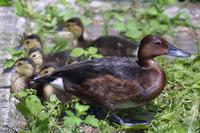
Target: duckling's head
<point>75,26</point>
<point>37,56</point>
<point>46,69</point>
<point>32,41</point>
<point>23,66</point>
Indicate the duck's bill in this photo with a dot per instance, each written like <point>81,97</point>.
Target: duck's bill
<point>19,47</point>
<point>173,51</point>
<point>10,69</point>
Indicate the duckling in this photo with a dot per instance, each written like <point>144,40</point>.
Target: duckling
<point>23,71</point>
<point>37,56</point>
<point>31,41</point>
<point>118,82</point>
<point>107,45</point>
<point>58,59</point>
<point>49,89</point>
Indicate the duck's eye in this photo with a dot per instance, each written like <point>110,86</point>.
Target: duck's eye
<point>34,56</point>
<point>157,43</point>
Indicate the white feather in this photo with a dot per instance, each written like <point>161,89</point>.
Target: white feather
<point>58,83</point>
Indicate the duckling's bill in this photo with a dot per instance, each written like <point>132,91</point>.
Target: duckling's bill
<point>19,47</point>
<point>173,51</point>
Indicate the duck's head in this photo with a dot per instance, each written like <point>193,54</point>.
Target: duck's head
<point>152,46</point>
<point>31,41</point>
<point>37,56</point>
<point>73,25</point>
<point>23,66</point>
<point>46,69</point>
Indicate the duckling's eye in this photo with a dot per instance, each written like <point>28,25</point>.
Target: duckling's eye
<point>45,72</point>
<point>19,64</point>
<point>157,43</point>
<point>27,42</point>
<point>34,56</point>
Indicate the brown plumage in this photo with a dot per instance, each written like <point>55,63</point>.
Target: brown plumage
<point>119,82</point>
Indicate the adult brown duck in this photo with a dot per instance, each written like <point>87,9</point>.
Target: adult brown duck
<point>118,82</point>
<point>107,45</point>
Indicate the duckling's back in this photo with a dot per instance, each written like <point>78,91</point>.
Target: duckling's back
<point>115,46</point>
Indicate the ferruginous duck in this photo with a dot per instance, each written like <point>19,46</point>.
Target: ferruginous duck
<point>118,82</point>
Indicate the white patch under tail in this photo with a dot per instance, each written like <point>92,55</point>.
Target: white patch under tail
<point>58,83</point>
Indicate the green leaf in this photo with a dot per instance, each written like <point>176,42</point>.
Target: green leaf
<point>71,114</point>
<point>92,50</point>
<point>98,56</point>
<point>34,105</point>
<point>8,63</point>
<point>22,108</point>
<point>81,109</point>
<point>22,94</point>
<point>133,26</point>
<point>77,52</point>
<point>72,121</point>
<point>5,2</point>
<point>91,120</point>
<point>152,11</point>
<point>19,7</point>
<point>119,26</point>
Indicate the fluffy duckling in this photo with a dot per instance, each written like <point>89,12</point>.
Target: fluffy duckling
<point>49,89</point>
<point>107,45</point>
<point>37,56</point>
<point>22,73</point>
<point>58,59</point>
<point>31,41</point>
<point>118,82</point>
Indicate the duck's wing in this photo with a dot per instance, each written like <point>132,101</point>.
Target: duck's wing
<point>119,67</point>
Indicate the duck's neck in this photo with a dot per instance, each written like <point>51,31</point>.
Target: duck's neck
<point>145,62</point>
<point>153,82</point>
